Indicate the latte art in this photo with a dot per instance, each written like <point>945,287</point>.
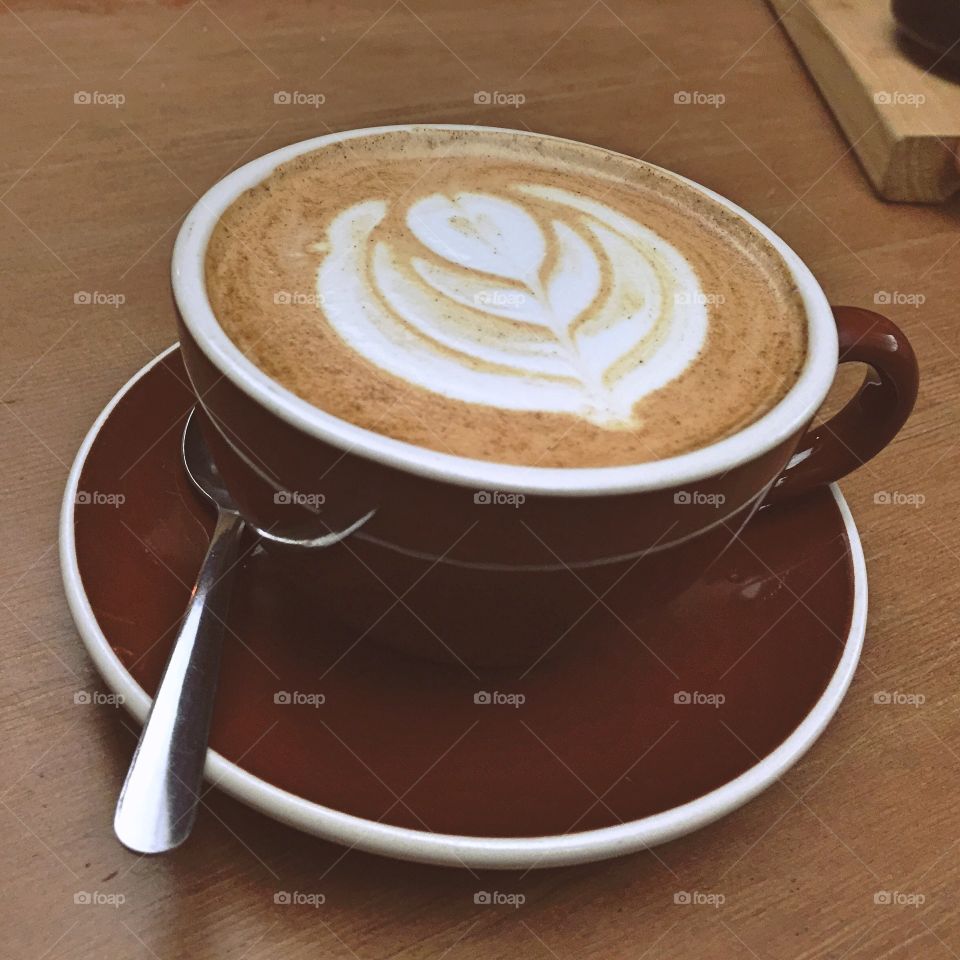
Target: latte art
<point>506,297</point>
<point>536,299</point>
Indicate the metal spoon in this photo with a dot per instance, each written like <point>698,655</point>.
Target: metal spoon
<point>158,802</point>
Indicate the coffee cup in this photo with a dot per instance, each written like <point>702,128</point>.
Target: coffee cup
<point>487,563</point>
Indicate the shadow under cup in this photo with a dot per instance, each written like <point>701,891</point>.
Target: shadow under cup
<point>450,572</point>
<point>492,578</point>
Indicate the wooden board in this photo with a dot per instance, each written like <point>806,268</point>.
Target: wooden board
<point>902,120</point>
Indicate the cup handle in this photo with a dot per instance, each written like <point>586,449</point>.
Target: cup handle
<point>873,416</point>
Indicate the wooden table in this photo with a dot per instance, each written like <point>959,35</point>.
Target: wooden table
<point>92,194</point>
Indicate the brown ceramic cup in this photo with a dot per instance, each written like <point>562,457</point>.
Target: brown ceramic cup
<point>488,563</point>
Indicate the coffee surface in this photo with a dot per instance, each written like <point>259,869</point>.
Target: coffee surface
<point>507,297</point>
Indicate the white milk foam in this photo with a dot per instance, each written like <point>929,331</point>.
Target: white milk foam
<point>538,299</point>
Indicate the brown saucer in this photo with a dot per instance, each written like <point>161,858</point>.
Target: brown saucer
<point>617,744</point>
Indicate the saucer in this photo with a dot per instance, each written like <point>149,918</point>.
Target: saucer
<point>650,731</point>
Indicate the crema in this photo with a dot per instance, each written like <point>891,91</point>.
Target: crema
<point>507,297</point>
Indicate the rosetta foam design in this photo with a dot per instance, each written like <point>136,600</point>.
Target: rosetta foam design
<point>538,300</point>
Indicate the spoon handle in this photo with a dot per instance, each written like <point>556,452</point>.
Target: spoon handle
<point>158,803</point>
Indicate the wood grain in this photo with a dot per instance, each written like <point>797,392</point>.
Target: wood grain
<point>91,198</point>
<point>901,118</point>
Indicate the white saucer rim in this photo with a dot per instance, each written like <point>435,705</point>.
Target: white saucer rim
<point>450,849</point>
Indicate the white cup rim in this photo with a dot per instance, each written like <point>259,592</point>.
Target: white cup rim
<point>786,418</point>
